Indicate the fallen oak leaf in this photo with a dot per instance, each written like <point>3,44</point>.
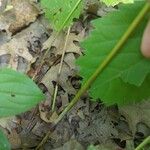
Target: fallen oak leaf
<point>59,43</point>
<point>51,76</point>
<point>70,61</point>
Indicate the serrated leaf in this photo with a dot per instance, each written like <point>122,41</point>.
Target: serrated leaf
<point>118,82</point>
<point>62,12</point>
<point>115,2</point>
<point>4,144</point>
<point>18,93</point>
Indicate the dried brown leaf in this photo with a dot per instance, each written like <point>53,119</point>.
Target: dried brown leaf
<point>51,76</point>
<point>100,128</point>
<point>72,47</point>
<point>19,46</point>
<point>70,60</point>
<point>16,48</point>
<point>25,13</point>
<point>45,115</point>
<point>14,139</point>
<point>137,113</point>
<point>6,19</point>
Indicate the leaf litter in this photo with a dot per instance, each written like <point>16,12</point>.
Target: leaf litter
<point>24,39</point>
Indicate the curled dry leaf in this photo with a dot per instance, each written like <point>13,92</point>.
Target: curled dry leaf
<point>45,115</point>
<point>6,19</point>
<point>16,48</point>
<point>22,14</point>
<point>92,6</point>
<point>25,13</point>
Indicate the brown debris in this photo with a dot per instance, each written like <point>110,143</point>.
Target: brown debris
<point>25,13</point>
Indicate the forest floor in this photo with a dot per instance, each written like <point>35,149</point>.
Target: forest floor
<point>24,28</point>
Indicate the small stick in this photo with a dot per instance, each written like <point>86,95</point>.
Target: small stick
<point>46,137</point>
<point>44,56</point>
<point>59,71</point>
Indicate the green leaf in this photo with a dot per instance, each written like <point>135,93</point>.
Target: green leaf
<point>124,80</point>
<point>115,2</point>
<point>91,147</point>
<point>18,93</point>
<point>62,12</point>
<point>4,144</point>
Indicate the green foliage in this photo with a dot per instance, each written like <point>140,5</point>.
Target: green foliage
<point>91,147</point>
<point>98,147</point>
<point>125,79</point>
<point>4,144</point>
<point>18,93</point>
<point>115,2</point>
<point>62,12</point>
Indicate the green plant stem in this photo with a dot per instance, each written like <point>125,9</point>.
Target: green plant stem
<point>59,71</point>
<point>57,33</point>
<point>43,140</point>
<point>102,66</point>
<point>70,14</point>
<point>144,143</point>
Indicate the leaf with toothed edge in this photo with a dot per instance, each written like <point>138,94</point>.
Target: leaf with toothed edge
<point>62,12</point>
<point>126,79</point>
<point>115,2</point>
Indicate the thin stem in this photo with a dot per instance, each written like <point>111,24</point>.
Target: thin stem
<point>44,56</point>
<point>70,14</point>
<point>54,96</point>
<point>144,143</point>
<point>56,88</point>
<point>60,69</point>
<point>43,140</point>
<point>102,66</point>
<point>58,32</point>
